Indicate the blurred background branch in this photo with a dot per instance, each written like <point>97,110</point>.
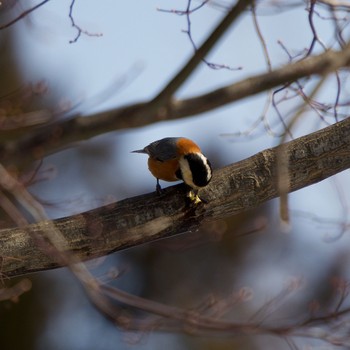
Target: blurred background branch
<point>79,128</point>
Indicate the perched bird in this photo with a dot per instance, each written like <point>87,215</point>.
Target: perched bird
<point>178,158</point>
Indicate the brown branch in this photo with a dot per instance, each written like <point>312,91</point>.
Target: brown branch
<point>169,90</point>
<point>188,12</point>
<point>234,189</point>
<point>50,139</point>
<point>23,14</point>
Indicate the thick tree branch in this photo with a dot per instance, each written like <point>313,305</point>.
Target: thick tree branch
<point>54,137</point>
<point>234,189</point>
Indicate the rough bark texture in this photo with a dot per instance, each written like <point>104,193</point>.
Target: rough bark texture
<point>235,188</point>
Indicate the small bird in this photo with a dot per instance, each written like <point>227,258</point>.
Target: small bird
<point>178,158</point>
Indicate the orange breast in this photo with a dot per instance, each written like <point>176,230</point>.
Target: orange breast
<point>163,170</point>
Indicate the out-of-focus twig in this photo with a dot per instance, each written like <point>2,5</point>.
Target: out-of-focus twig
<point>22,15</point>
<point>282,163</point>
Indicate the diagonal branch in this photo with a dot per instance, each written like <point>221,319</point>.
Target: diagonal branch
<point>53,138</point>
<point>234,189</point>
<point>22,15</point>
<point>169,90</point>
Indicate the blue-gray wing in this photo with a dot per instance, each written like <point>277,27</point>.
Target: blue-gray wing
<point>163,149</point>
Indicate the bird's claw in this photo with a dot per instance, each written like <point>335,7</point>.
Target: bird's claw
<point>194,197</point>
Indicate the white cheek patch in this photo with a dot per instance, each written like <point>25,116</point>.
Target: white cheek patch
<point>186,172</point>
<point>205,162</point>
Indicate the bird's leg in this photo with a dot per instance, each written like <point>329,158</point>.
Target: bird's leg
<point>158,188</point>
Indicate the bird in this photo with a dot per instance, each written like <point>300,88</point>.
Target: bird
<point>178,158</point>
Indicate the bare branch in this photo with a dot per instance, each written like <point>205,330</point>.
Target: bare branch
<point>261,37</point>
<point>23,14</point>
<point>282,163</point>
<point>54,137</point>
<point>49,240</point>
<point>188,12</point>
<point>168,91</point>
<point>315,38</point>
<point>234,189</point>
<point>78,28</point>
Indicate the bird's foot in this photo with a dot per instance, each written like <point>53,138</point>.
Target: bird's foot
<point>193,196</point>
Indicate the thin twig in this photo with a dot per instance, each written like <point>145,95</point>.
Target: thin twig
<point>169,90</point>
<point>282,163</point>
<point>78,28</point>
<point>188,12</point>
<point>23,14</point>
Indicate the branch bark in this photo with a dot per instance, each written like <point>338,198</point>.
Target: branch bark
<point>146,218</point>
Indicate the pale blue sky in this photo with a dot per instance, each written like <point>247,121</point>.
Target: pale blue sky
<point>147,47</point>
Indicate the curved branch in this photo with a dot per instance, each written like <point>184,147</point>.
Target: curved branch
<point>53,138</point>
<point>234,189</point>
